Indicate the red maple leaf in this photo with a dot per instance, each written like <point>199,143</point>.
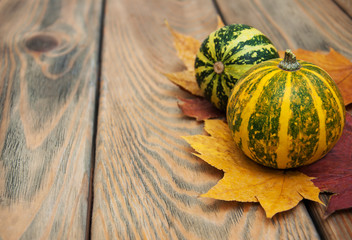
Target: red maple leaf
<point>334,172</point>
<point>199,108</point>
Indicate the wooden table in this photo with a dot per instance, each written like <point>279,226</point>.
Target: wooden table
<point>90,128</point>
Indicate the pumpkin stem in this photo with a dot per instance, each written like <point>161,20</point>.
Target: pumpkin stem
<point>290,62</point>
<point>219,67</point>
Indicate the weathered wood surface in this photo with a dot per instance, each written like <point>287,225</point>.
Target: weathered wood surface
<point>345,5</point>
<point>146,184</point>
<point>336,226</point>
<point>48,74</point>
<point>312,25</point>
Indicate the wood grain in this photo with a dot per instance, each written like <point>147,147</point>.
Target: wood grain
<point>146,183</point>
<point>312,25</point>
<point>335,226</point>
<point>345,5</point>
<point>48,74</point>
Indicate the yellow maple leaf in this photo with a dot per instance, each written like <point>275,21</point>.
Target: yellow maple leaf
<point>246,181</point>
<point>186,47</point>
<point>185,80</point>
<point>337,65</point>
<point>220,23</point>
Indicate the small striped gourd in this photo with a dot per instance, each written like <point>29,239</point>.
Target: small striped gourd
<point>286,113</point>
<point>225,55</point>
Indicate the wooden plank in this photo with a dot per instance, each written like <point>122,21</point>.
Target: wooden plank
<point>312,25</point>
<point>336,226</point>
<point>339,224</point>
<point>48,74</point>
<point>345,5</point>
<point>146,183</point>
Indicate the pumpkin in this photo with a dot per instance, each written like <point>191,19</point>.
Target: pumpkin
<point>286,113</point>
<point>225,55</point>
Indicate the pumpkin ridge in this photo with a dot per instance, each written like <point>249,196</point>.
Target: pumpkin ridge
<point>263,127</point>
<point>333,134</point>
<point>211,46</point>
<point>244,85</point>
<point>244,54</point>
<point>285,119</point>
<point>247,76</point>
<point>209,84</point>
<point>205,50</point>
<point>216,84</point>
<point>332,87</point>
<point>242,36</point>
<point>282,154</point>
<point>229,42</point>
<point>318,104</point>
<point>256,40</point>
<point>304,123</point>
<point>226,84</point>
<point>248,111</point>
<point>203,60</point>
<point>205,75</point>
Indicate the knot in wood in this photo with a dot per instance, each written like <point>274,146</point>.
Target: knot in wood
<point>41,43</point>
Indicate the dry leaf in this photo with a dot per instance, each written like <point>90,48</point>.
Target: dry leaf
<point>333,173</point>
<point>220,23</point>
<point>185,80</point>
<point>246,181</point>
<point>186,47</point>
<point>338,67</point>
<point>199,108</point>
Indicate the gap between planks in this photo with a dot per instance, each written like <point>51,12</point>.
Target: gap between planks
<point>96,115</point>
<point>95,121</point>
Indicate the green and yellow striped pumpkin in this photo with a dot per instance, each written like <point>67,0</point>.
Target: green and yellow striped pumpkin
<point>286,113</point>
<point>225,55</point>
